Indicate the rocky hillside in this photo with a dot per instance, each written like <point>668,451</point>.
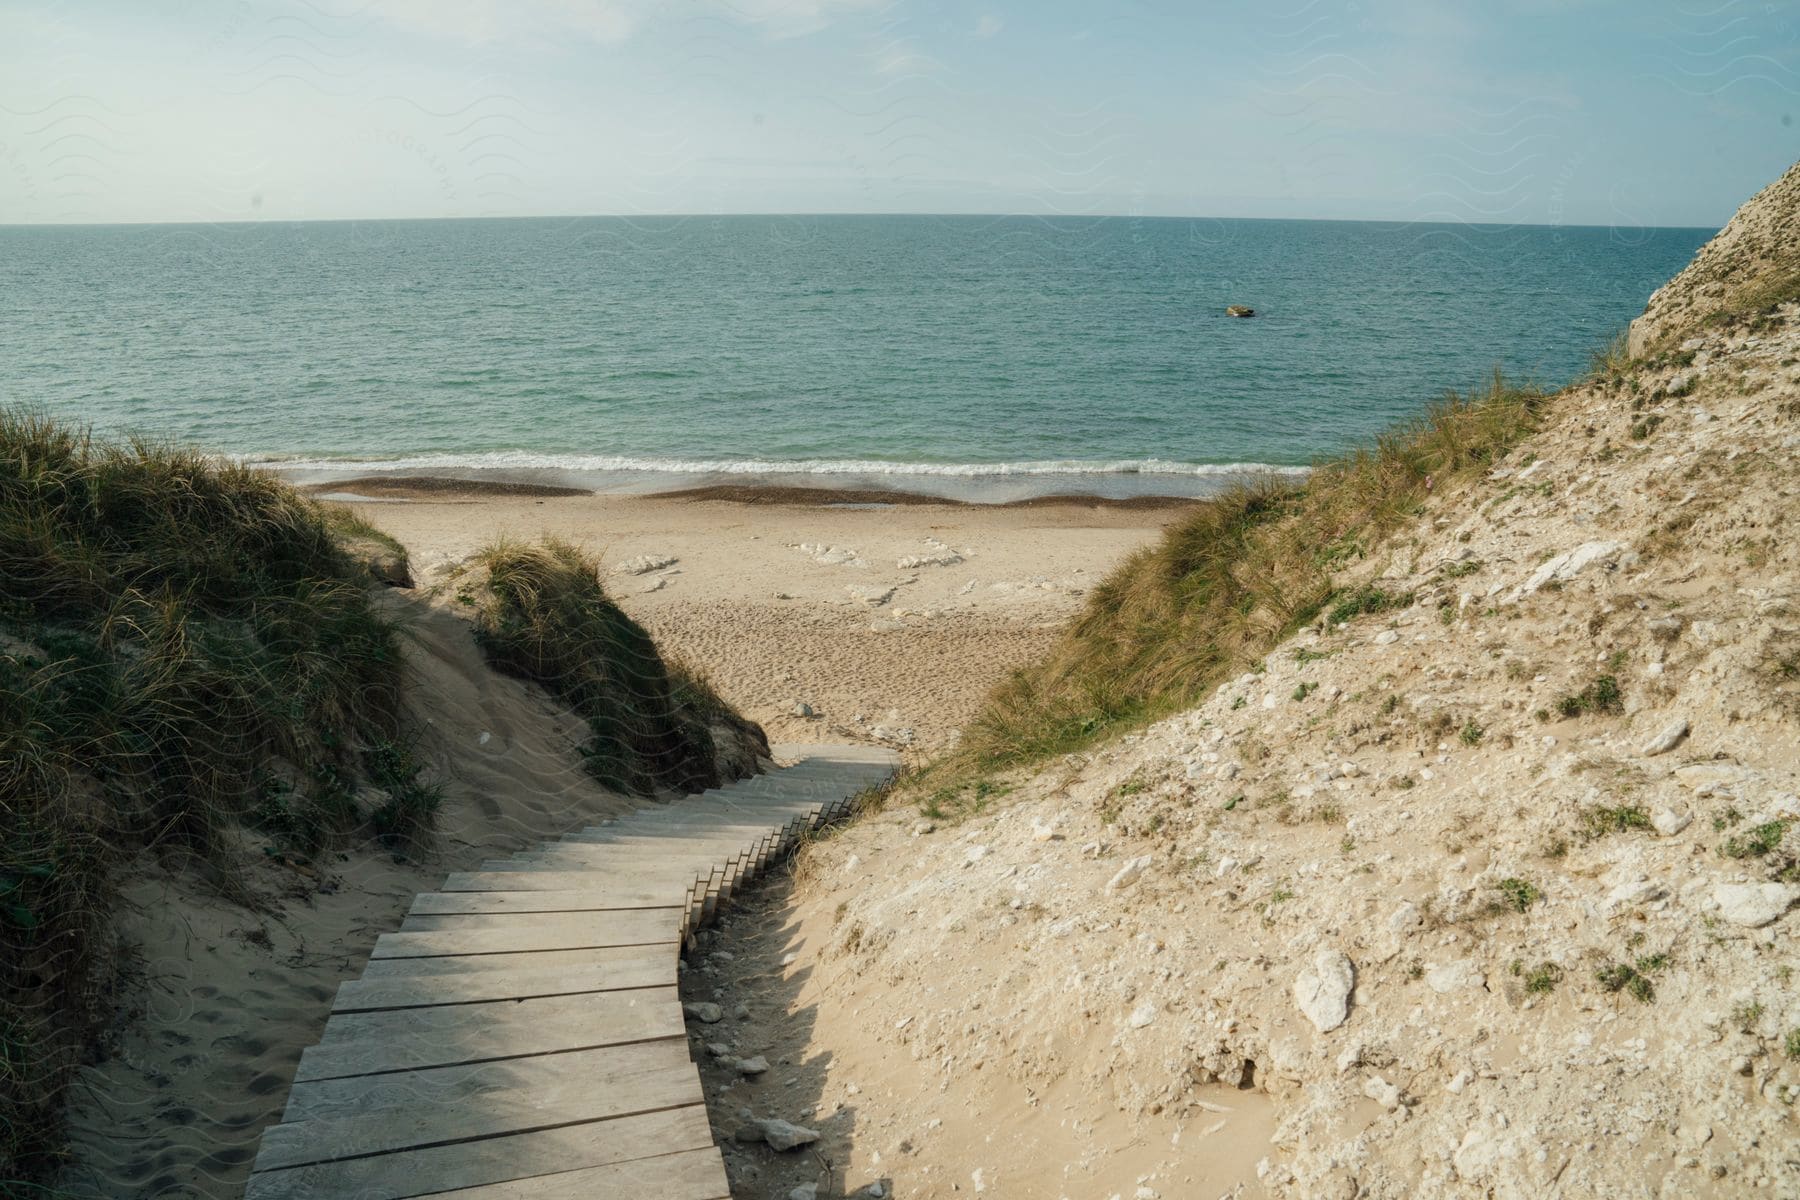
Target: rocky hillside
<point>1753,264</point>
<point>1485,889</point>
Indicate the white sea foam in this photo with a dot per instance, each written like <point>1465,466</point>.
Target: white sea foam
<point>583,464</point>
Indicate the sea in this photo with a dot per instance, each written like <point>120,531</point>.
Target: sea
<point>986,358</point>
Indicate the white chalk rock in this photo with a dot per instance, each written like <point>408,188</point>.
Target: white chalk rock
<point>1381,1092</point>
<point>1323,990</point>
<point>1567,565</point>
<point>938,558</point>
<point>1128,874</point>
<point>1455,977</point>
<point>1708,778</point>
<point>643,564</point>
<point>1754,905</point>
<point>1667,738</point>
<point>1667,822</point>
<point>1405,918</point>
<point>1632,894</point>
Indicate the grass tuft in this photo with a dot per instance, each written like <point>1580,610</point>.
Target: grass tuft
<point>1600,820</point>
<point>543,615</point>
<point>1600,696</point>
<point>1519,894</point>
<point>184,645</point>
<point>1228,582</point>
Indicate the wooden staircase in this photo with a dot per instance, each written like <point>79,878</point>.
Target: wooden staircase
<point>521,1034</point>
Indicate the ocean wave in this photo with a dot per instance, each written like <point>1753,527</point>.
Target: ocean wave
<point>520,460</point>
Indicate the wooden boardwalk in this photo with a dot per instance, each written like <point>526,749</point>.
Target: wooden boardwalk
<point>521,1034</point>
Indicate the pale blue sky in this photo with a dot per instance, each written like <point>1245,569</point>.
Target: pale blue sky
<point>1576,112</point>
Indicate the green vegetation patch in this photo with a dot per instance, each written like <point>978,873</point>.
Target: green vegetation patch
<point>1228,582</point>
<point>1364,600</point>
<point>1600,696</point>
<point>1601,820</point>
<point>1633,978</point>
<point>1540,980</point>
<point>175,633</point>
<point>956,802</point>
<point>1519,894</point>
<point>1757,841</point>
<point>544,616</point>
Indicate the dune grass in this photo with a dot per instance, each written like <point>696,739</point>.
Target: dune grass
<point>545,616</point>
<point>184,645</point>
<point>1228,582</point>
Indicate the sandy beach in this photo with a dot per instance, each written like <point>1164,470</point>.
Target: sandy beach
<point>888,621</point>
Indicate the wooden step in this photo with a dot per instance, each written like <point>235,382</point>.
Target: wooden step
<point>419,991</point>
<point>548,931</point>
<point>690,1175</point>
<point>433,1169</point>
<point>456,964</point>
<point>369,1043</point>
<point>382,1114</point>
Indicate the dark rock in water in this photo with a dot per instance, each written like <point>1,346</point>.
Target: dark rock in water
<point>1240,310</point>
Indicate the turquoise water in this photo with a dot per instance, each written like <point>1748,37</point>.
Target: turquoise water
<point>996,356</point>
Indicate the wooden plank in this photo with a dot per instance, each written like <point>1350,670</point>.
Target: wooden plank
<point>745,797</point>
<point>674,827</point>
<point>537,881</point>
<point>399,1110</point>
<point>602,855</point>
<point>414,1038</point>
<point>366,995</point>
<point>537,960</point>
<point>463,1085</point>
<point>633,849</point>
<point>602,859</point>
<point>690,1175</point>
<point>710,902</point>
<point>634,856</point>
<point>535,931</point>
<point>596,899</point>
<point>816,783</point>
<point>632,865</point>
<point>490,1160</point>
<point>735,800</point>
<point>591,867</point>
<point>724,827</point>
<point>669,919</point>
<point>824,784</point>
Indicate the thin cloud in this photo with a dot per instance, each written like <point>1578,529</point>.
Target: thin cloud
<point>605,22</point>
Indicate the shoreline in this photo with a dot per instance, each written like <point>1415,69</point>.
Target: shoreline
<point>451,488</point>
<point>1149,482</point>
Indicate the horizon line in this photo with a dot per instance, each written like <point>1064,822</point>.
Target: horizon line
<point>804,215</point>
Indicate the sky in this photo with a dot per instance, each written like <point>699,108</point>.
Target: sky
<point>1578,112</point>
